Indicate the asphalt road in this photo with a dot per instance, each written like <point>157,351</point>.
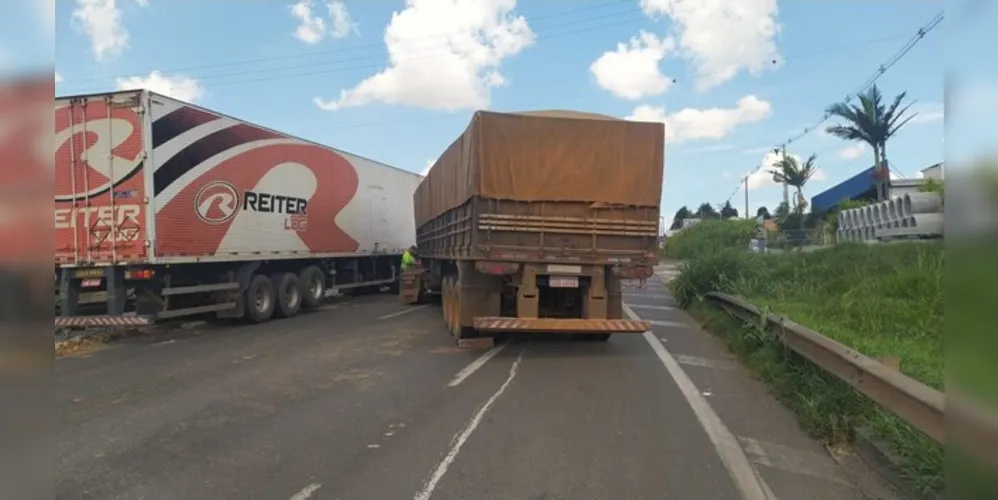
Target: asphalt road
<point>369,400</point>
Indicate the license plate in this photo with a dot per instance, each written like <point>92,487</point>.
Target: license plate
<point>88,273</point>
<point>563,282</point>
<point>90,283</point>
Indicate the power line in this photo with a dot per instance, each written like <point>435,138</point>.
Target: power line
<point>903,51</point>
<point>275,73</point>
<point>279,72</point>
<point>798,56</point>
<point>379,45</point>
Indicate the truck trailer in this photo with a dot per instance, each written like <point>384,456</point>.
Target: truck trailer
<point>168,209</point>
<point>529,221</point>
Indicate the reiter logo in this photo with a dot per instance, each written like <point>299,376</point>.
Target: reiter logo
<point>216,202</point>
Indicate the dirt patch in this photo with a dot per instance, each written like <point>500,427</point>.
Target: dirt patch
<point>402,341</point>
<point>87,343</point>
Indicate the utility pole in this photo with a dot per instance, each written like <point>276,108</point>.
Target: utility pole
<point>747,216</point>
<point>786,190</point>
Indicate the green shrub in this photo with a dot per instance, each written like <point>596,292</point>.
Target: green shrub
<point>710,236</point>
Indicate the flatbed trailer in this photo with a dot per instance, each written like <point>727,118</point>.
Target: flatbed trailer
<point>529,221</point>
<point>167,210</point>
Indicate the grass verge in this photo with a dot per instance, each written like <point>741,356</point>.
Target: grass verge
<point>882,300</point>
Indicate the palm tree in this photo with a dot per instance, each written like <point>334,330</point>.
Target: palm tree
<point>796,174</point>
<point>872,122</point>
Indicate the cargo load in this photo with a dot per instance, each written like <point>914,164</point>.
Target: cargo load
<point>561,200</point>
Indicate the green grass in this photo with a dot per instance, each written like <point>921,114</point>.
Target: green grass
<point>882,300</point>
<point>709,236</point>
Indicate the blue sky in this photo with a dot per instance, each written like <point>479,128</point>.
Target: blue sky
<point>243,58</point>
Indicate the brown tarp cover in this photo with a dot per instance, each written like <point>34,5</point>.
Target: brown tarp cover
<point>546,156</point>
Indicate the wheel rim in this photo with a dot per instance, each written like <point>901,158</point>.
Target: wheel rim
<point>261,299</point>
<point>316,286</point>
<point>292,294</point>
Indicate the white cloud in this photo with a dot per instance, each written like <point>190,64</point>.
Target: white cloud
<point>342,22</point>
<point>101,21</point>
<point>427,167</point>
<point>313,28</point>
<point>58,77</point>
<point>762,177</point>
<point>443,55</point>
<point>722,37</point>
<point>928,113</point>
<point>853,152</point>
<point>714,123</point>
<point>631,71</point>
<point>179,87</point>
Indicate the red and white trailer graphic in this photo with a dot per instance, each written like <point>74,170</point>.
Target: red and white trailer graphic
<point>193,211</point>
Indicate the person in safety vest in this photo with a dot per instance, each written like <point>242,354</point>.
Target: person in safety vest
<point>409,259</point>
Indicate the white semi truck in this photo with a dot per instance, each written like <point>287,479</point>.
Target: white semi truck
<point>169,209</point>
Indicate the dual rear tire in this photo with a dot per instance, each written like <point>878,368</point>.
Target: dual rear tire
<point>278,295</point>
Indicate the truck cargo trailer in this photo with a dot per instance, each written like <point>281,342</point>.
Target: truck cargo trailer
<point>528,222</point>
<point>171,210</point>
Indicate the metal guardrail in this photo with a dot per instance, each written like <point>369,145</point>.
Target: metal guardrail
<point>914,402</point>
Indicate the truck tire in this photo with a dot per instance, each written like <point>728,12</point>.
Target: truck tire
<point>312,284</point>
<point>260,299</point>
<point>288,293</point>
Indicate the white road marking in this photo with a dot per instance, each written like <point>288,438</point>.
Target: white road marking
<point>648,295</point>
<point>720,364</point>
<point>667,324</point>
<point>747,480</point>
<point>306,492</point>
<point>403,311</point>
<point>651,306</point>
<point>462,437</point>
<point>475,365</point>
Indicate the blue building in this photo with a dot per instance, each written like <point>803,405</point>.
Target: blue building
<point>861,186</point>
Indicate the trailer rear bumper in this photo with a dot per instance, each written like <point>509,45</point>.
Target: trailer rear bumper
<point>557,325</point>
<point>88,321</point>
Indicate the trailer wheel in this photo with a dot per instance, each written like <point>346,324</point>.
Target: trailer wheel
<point>312,284</point>
<point>289,296</point>
<point>260,299</point>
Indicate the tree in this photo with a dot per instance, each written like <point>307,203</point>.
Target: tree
<point>728,211</point>
<point>796,175</point>
<point>782,210</point>
<point>764,213</point>
<point>706,211</point>
<point>872,122</point>
<point>677,220</point>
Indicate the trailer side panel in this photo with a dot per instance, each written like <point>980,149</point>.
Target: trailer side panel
<point>229,190</point>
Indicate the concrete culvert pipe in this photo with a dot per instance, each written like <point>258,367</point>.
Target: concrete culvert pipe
<point>927,223</point>
<point>877,215</point>
<point>868,216</point>
<point>896,208</point>
<point>921,203</point>
<point>857,218</point>
<point>906,222</point>
<point>843,221</point>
